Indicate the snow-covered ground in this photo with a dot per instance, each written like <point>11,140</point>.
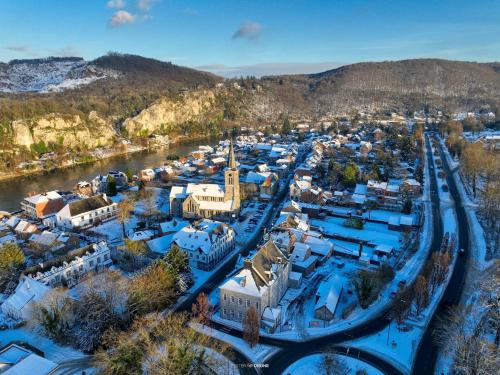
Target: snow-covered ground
<point>477,262</point>
<point>311,365</point>
<point>376,233</point>
<point>49,75</point>
<point>257,355</point>
<point>52,351</point>
<point>399,346</point>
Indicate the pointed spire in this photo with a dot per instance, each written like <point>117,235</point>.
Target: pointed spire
<point>232,160</point>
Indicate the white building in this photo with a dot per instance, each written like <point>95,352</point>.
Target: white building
<point>196,201</point>
<point>18,304</point>
<point>261,283</point>
<point>70,268</point>
<point>86,212</point>
<point>206,242</point>
<point>40,206</point>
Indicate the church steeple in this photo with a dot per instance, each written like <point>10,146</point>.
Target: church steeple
<point>232,160</point>
<point>232,181</point>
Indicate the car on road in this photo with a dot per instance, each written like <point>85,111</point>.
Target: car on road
<point>445,187</point>
<point>461,251</point>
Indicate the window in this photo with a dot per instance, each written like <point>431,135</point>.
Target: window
<point>98,259</point>
<point>240,301</point>
<point>232,299</point>
<point>91,263</point>
<point>225,297</point>
<point>239,314</point>
<point>105,256</point>
<point>248,303</point>
<point>224,312</point>
<point>257,305</point>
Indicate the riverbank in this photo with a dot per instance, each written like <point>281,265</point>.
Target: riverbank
<point>13,190</point>
<point>106,154</point>
<point>70,164</point>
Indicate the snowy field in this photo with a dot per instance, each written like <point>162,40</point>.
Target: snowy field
<point>311,365</point>
<point>375,233</point>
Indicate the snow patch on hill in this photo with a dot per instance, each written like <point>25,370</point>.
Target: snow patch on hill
<point>49,75</point>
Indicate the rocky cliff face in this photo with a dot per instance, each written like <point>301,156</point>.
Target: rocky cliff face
<point>165,114</point>
<point>70,131</point>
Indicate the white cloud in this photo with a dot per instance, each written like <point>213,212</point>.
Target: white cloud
<point>145,5</point>
<point>249,30</point>
<point>18,48</point>
<point>122,17</point>
<point>117,4</point>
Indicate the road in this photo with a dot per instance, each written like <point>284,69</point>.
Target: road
<point>427,351</point>
<point>426,357</point>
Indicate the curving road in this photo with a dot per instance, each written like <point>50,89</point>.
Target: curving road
<point>425,361</point>
<point>292,351</point>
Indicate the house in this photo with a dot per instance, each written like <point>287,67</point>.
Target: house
<point>264,183</point>
<point>297,188</point>
<point>24,229</point>
<point>42,205</point>
<point>302,259</point>
<point>147,175</point>
<point>69,268</point>
<point>327,299</point>
<point>100,183</point>
<point>86,212</point>
<point>206,242</point>
<point>400,223</point>
<point>196,201</point>
<point>17,360</point>
<point>18,304</point>
<point>412,187</point>
<point>261,283</point>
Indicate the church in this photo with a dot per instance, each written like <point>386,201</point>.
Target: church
<point>209,201</point>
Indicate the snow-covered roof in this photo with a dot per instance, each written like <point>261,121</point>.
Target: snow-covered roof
<point>387,249</point>
<point>178,192</point>
<point>161,244</point>
<point>406,220</point>
<point>329,293</point>
<point>44,197</point>
<point>358,198</point>
<point>295,276</point>
<point>377,185</point>
<point>210,190</point>
<point>27,291</point>
<point>200,236</point>
<point>411,182</point>
<point>33,365</point>
<point>173,225</point>
<point>243,282</point>
<point>271,314</point>
<point>361,189</point>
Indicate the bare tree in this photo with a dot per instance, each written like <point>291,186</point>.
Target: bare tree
<point>421,290</point>
<point>125,207</point>
<point>202,309</point>
<point>402,304</point>
<point>251,326</point>
<point>332,364</point>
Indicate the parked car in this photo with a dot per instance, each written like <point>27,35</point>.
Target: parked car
<point>445,187</point>
<point>461,252</point>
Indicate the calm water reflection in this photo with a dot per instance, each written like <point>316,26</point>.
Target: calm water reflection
<point>13,191</point>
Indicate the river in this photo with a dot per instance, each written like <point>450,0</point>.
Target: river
<point>14,190</point>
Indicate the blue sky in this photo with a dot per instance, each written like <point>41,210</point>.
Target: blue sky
<point>233,37</point>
